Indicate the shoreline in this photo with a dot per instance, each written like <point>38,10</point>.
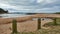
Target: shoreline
<point>18,19</point>
<point>24,24</point>
<point>13,15</point>
<point>26,18</point>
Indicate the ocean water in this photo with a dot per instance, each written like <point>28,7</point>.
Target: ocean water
<point>19,15</point>
<point>12,15</point>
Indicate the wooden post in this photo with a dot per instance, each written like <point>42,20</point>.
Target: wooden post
<point>39,23</point>
<point>55,23</point>
<point>14,27</point>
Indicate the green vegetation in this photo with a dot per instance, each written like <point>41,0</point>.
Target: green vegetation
<point>3,11</point>
<point>54,23</point>
<point>14,27</point>
<point>57,13</point>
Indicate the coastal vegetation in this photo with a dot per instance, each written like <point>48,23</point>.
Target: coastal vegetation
<point>2,11</point>
<point>57,13</point>
<point>51,28</point>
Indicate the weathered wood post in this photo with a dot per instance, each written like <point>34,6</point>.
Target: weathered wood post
<point>55,23</point>
<point>39,23</point>
<point>14,26</point>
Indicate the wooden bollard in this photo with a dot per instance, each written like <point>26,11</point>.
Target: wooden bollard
<point>14,26</point>
<point>39,23</point>
<point>55,23</point>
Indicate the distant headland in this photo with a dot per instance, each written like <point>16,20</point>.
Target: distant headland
<point>2,11</point>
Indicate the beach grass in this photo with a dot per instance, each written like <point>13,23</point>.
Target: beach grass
<point>53,29</point>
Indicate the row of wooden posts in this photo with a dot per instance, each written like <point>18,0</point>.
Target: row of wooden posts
<point>14,25</point>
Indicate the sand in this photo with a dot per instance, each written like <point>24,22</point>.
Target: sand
<point>18,19</point>
<point>27,26</point>
<point>24,24</point>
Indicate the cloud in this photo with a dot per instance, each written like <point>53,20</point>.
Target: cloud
<point>31,5</point>
<point>2,5</point>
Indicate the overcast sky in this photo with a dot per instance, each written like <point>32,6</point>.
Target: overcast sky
<point>38,6</point>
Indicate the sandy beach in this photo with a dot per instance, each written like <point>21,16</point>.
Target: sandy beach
<point>24,24</point>
<point>28,26</point>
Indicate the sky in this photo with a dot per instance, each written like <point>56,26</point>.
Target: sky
<point>31,6</point>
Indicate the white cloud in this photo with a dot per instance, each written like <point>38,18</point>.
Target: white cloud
<point>8,6</point>
<point>39,1</point>
<point>31,5</point>
<point>46,1</point>
<point>2,5</point>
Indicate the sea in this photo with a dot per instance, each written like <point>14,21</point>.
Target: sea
<point>12,15</point>
<point>18,15</point>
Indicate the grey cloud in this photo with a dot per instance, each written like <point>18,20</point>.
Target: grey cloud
<point>33,5</point>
